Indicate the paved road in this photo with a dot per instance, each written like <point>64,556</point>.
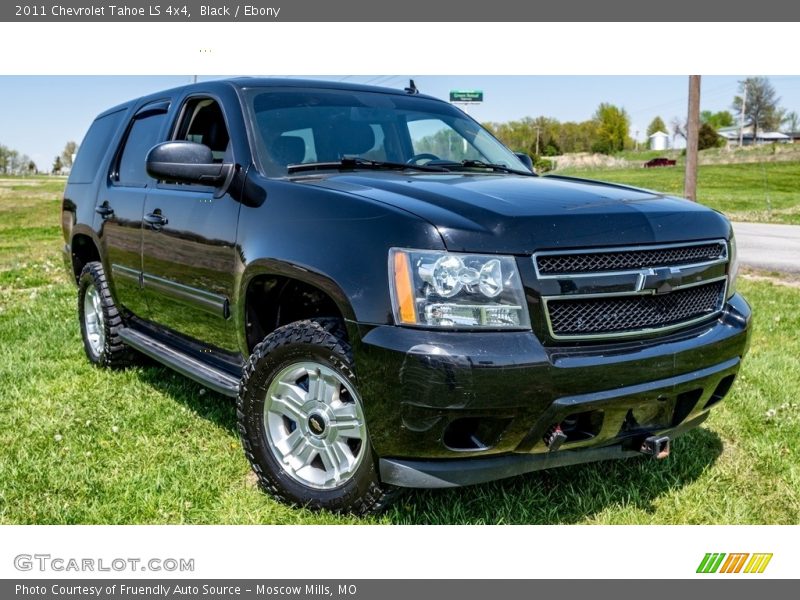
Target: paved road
<point>768,247</point>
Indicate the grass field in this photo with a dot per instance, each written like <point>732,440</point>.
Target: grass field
<point>766,192</point>
<point>81,445</point>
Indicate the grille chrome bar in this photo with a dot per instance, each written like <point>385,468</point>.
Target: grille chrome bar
<point>656,289</point>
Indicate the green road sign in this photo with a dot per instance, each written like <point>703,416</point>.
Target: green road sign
<point>466,95</point>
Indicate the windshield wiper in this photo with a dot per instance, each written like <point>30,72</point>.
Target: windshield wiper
<point>363,163</point>
<point>479,164</point>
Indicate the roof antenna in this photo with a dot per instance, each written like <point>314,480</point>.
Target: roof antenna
<point>412,87</point>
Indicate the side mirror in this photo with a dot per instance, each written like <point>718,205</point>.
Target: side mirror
<point>186,162</point>
<point>525,160</point>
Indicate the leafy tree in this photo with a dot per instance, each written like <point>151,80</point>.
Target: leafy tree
<point>522,135</point>
<point>761,108</point>
<point>707,137</point>
<point>576,137</point>
<point>32,168</point>
<point>70,149</point>
<point>612,125</point>
<point>656,124</point>
<point>57,165</point>
<point>717,120</point>
<point>551,148</point>
<point>546,129</point>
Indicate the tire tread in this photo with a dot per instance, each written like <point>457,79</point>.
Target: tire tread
<point>116,355</point>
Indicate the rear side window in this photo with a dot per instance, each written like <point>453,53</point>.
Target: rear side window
<point>93,148</point>
<point>145,132</point>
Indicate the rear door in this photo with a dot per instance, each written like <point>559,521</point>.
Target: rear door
<point>120,204</point>
<point>189,238</point>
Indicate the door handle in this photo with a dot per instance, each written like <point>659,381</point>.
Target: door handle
<point>155,219</point>
<point>104,210</point>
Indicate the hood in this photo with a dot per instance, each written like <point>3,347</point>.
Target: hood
<point>519,215</point>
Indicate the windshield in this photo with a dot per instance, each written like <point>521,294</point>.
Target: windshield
<point>294,126</point>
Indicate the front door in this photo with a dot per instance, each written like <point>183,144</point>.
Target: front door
<point>188,242</point>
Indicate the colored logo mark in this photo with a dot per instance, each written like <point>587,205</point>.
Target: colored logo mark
<point>719,562</point>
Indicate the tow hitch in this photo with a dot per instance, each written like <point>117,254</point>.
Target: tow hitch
<point>657,447</point>
<point>554,438</point>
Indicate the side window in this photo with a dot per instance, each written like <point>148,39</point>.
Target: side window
<point>93,148</point>
<point>142,136</point>
<point>202,121</point>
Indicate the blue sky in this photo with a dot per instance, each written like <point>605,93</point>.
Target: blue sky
<point>38,115</point>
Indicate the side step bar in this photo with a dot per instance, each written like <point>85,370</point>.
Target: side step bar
<point>220,381</point>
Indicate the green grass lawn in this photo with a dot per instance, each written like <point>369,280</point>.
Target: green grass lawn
<point>82,445</point>
<point>767,192</point>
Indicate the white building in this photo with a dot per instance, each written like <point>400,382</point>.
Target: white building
<point>731,136</point>
<point>659,141</point>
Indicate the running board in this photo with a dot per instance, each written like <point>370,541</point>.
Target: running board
<point>211,377</point>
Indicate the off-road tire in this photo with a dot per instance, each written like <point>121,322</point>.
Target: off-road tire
<point>114,353</point>
<point>323,341</point>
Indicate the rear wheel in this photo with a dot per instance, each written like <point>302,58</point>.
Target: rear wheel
<point>302,421</point>
<point>100,320</point>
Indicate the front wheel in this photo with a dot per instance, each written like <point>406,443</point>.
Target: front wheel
<point>302,421</point>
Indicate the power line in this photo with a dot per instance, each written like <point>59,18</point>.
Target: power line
<point>713,92</point>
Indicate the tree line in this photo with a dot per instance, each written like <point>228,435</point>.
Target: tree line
<point>608,130</point>
<point>14,162</point>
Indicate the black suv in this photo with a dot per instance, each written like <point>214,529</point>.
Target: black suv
<point>394,298</point>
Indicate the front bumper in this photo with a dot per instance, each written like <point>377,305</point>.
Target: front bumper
<point>451,408</point>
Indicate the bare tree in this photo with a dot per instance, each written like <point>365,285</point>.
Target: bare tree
<point>761,109</point>
<point>791,122</point>
<point>679,127</point>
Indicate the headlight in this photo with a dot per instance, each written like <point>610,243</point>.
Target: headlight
<point>443,289</point>
<point>733,266</point>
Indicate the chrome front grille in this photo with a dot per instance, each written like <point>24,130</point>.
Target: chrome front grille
<point>621,260</point>
<point>614,292</point>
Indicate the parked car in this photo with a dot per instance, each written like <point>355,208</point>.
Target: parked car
<point>392,296</point>
<point>660,162</point>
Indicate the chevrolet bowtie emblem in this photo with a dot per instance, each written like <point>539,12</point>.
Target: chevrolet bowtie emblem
<point>662,280</point>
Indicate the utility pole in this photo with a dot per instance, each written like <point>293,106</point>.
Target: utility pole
<point>537,140</point>
<point>741,116</point>
<point>692,135</point>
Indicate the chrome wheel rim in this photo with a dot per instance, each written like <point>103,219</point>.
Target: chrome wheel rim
<point>94,320</point>
<point>315,425</point>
